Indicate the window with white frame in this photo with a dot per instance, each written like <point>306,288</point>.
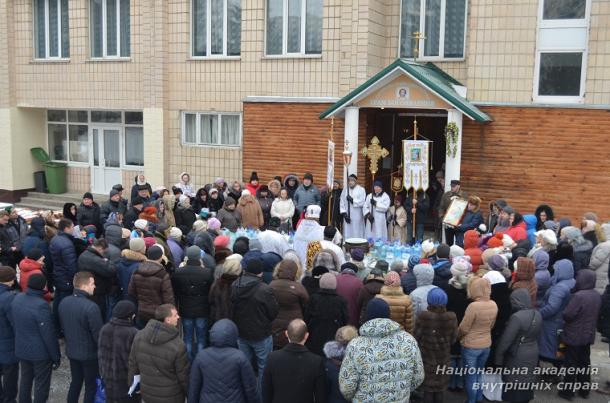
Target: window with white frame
<point>51,29</point>
<point>110,28</point>
<point>561,51</point>
<point>211,129</point>
<point>294,27</point>
<point>215,28</point>
<point>442,22</point>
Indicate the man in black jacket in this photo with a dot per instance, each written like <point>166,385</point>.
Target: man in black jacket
<point>88,213</point>
<point>292,362</point>
<point>6,245</point>
<point>81,322</point>
<point>191,288</point>
<point>133,213</point>
<point>65,263</point>
<point>92,260</point>
<point>114,205</point>
<point>254,308</point>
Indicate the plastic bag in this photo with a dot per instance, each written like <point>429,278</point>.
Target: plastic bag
<point>492,386</point>
<point>100,391</point>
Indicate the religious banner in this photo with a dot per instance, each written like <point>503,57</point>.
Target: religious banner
<point>416,159</point>
<point>330,170</point>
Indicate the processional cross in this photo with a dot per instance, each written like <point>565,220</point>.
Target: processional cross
<point>374,152</point>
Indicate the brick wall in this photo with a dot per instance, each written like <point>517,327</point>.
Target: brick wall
<point>530,156</point>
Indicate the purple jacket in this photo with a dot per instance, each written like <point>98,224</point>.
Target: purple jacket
<point>348,286</point>
<point>177,251</point>
<point>580,316</point>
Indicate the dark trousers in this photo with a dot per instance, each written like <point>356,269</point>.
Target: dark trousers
<point>433,397</point>
<point>38,374</point>
<point>86,371</point>
<point>578,357</point>
<point>449,235</point>
<point>57,298</point>
<point>9,376</point>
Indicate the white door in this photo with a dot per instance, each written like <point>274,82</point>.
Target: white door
<point>106,169</point>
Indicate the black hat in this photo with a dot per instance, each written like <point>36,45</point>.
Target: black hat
<point>443,251</point>
<point>308,175</point>
<point>137,200</point>
<point>124,309</point>
<point>37,282</point>
<point>176,190</point>
<point>253,176</point>
<point>34,254</point>
<point>142,187</point>
<point>330,232</point>
<point>114,192</point>
<point>349,266</point>
<point>88,195</point>
<point>274,222</point>
<point>254,266</point>
<point>278,178</point>
<point>455,182</point>
<point>382,265</point>
<point>118,187</point>
<point>7,274</point>
<point>155,252</point>
<point>377,308</point>
<point>318,271</point>
<point>353,176</point>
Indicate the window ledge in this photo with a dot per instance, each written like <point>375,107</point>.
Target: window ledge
<point>50,61</point>
<point>436,59</point>
<point>213,58</point>
<point>558,100</point>
<point>219,146</point>
<point>292,56</point>
<point>109,59</point>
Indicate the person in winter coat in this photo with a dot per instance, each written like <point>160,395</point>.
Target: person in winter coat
<point>233,381</point>
<point>294,361</point>
<point>176,246</point>
<point>36,344</point>
<point>582,247</point>
<point>192,284</point>
<point>32,264</point>
<point>7,249</point>
<point>158,355</point>
<point>116,239</point>
<point>128,263</point>
<point>408,279</point>
<point>250,211</point>
<point>418,206</point>
<point>306,194</point>
<point>291,298</point>
<point>471,220</point>
<point>331,205</point>
<point>436,331</point>
<point>133,213</point>
<point>600,260</point>
<point>524,273</point>
<point>150,286</point>
<point>283,208</point>
<point>200,200</point>
<point>265,200</point>
<point>9,364</point>
<point>471,249</point>
<point>221,306</point>
<point>494,212</point>
<point>349,286</point>
<point>69,212</point>
<point>424,274</point>
<point>65,264</point>
<point>325,313</point>
<point>580,322</point>
<point>397,221</point>
<point>229,216</point>
<point>253,184</point>
<point>81,322</point>
<point>92,260</point>
<point>113,205</point>
<point>254,310</point>
<point>206,244</point>
<point>475,334</point>
<point>114,344</point>
<point>553,304</point>
<point>17,230</point>
<point>518,348</point>
<point>215,201</point>
<point>457,302</point>
<point>36,239</point>
<point>500,294</point>
<point>291,183</point>
<point>374,210</point>
<point>543,214</point>
<point>542,275</point>
<point>335,352</point>
<point>185,185</point>
<point>184,215</point>
<point>372,287</point>
<point>384,363</point>
<point>530,227</point>
<point>88,213</point>
<point>401,307</point>
<point>442,266</point>
<point>140,180</point>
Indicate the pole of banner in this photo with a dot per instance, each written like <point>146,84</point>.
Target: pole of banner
<point>347,159</point>
<point>414,200</point>
<point>330,185</point>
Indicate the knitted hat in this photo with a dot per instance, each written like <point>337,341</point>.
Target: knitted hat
<point>140,224</point>
<point>378,184</point>
<point>318,271</point>
<point>213,190</point>
<point>87,195</point>
<point>460,268</point>
<point>494,277</point>
<point>155,252</point>
<point>37,282</point>
<point>508,209</point>
<point>124,309</point>
<point>193,253</point>
<point>253,176</point>
<point>125,233</point>
<point>175,234</point>
<point>7,274</point>
<point>455,251</point>
<point>376,273</point>
<point>221,241</point>
<point>137,201</point>
<point>547,236</point>
<point>114,192</point>
<point>397,266</point>
<point>34,254</point>
<point>254,266</point>
<point>392,279</point>
<point>377,308</point>
<point>552,225</point>
<point>357,254</point>
<point>427,247</point>
<point>349,266</point>
<point>497,262</point>
<point>495,241</point>
<point>149,241</point>
<point>118,187</point>
<point>443,251</point>
<point>246,192</point>
<point>328,281</point>
<point>214,223</point>
<point>382,265</point>
<point>413,261</point>
<point>437,296</point>
<point>232,265</point>
<point>137,245</point>
<point>507,241</point>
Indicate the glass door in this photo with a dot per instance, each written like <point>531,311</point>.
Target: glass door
<point>106,169</point>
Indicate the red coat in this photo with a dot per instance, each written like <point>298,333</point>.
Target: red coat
<point>348,286</point>
<point>253,189</point>
<point>471,241</point>
<point>517,232</point>
<point>28,267</point>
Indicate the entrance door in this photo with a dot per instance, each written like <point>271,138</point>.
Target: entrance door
<point>106,169</point>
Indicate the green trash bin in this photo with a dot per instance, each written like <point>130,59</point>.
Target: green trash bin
<point>55,172</point>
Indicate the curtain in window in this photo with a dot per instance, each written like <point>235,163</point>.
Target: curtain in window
<point>111,28</point>
<point>112,155</point>
<point>217,17</point>
<point>433,27</point>
<point>39,28</point>
<point>134,146</point>
<point>53,28</point>
<point>199,27</point>
<point>230,130</point>
<point>455,19</point>
<point>409,24</point>
<point>125,27</point>
<point>274,27</point>
<point>234,27</point>
<point>58,142</point>
<point>209,129</point>
<point>96,21</point>
<point>190,128</point>
<point>79,143</point>
<point>294,26</point>
<point>313,27</point>
<point>65,30</point>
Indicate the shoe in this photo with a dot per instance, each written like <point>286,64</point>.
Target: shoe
<point>565,395</point>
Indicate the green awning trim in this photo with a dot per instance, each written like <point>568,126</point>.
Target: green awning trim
<point>430,76</point>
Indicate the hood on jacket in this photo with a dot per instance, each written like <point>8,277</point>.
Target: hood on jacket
<point>158,333</point>
<point>520,299</point>
<point>525,269</point>
<point>205,242</point>
<point>149,268</point>
<point>606,230</point>
<point>27,265</point>
<point>158,204</point>
<point>424,274</point>
<point>224,334</point>
<point>181,175</point>
<point>245,286</point>
<point>246,199</point>
<point>170,203</point>
<point>334,349</point>
<point>541,260</point>
<point>585,280</point>
<point>133,255</point>
<point>564,270</point>
<point>379,327</point>
<point>479,289</point>
<point>291,176</point>
<point>67,213</point>
<point>530,222</point>
<point>287,270</point>
<point>471,239</point>
<point>114,234</point>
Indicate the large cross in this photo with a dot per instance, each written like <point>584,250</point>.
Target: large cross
<point>374,152</point>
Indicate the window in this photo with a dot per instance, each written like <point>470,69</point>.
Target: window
<point>443,23</point>
<point>294,27</point>
<point>68,137</point>
<point>564,9</point>
<point>560,74</point>
<point>216,28</point>
<point>214,129</point>
<point>134,146</point>
<point>51,29</point>
<point>110,28</point>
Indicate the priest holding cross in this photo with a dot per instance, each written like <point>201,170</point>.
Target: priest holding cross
<point>377,203</point>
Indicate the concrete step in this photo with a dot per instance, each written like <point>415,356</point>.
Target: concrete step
<point>37,207</point>
<point>48,201</point>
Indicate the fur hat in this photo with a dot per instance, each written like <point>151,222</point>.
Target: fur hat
<point>397,266</point>
<point>455,251</point>
<point>349,266</point>
<point>328,281</point>
<point>232,265</point>
<point>137,245</point>
<point>437,296</point>
<point>392,279</point>
<point>7,274</point>
<point>318,271</point>
<point>199,225</point>
<point>382,265</point>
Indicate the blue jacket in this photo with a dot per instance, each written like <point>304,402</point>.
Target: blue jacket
<point>305,197</point>
<point>81,321</point>
<point>125,268</point>
<point>221,372</point>
<point>442,273</point>
<point>471,220</point>
<point>63,255</point>
<point>7,335</point>
<point>34,240</point>
<point>35,334</point>
<point>530,225</point>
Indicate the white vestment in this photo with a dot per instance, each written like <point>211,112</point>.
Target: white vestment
<point>308,230</point>
<point>379,229</point>
<point>355,229</point>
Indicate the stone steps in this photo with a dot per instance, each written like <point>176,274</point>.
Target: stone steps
<point>47,201</point>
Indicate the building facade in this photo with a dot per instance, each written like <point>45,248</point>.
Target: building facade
<point>223,87</point>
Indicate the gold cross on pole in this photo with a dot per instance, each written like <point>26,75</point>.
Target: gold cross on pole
<point>417,37</point>
<point>374,152</point>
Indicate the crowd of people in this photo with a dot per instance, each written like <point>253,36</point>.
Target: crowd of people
<point>153,298</point>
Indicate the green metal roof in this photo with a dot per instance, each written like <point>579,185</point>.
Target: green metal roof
<point>429,76</point>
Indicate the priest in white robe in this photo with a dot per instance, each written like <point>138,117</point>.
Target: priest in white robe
<point>375,209</point>
<point>350,208</point>
<point>308,230</point>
